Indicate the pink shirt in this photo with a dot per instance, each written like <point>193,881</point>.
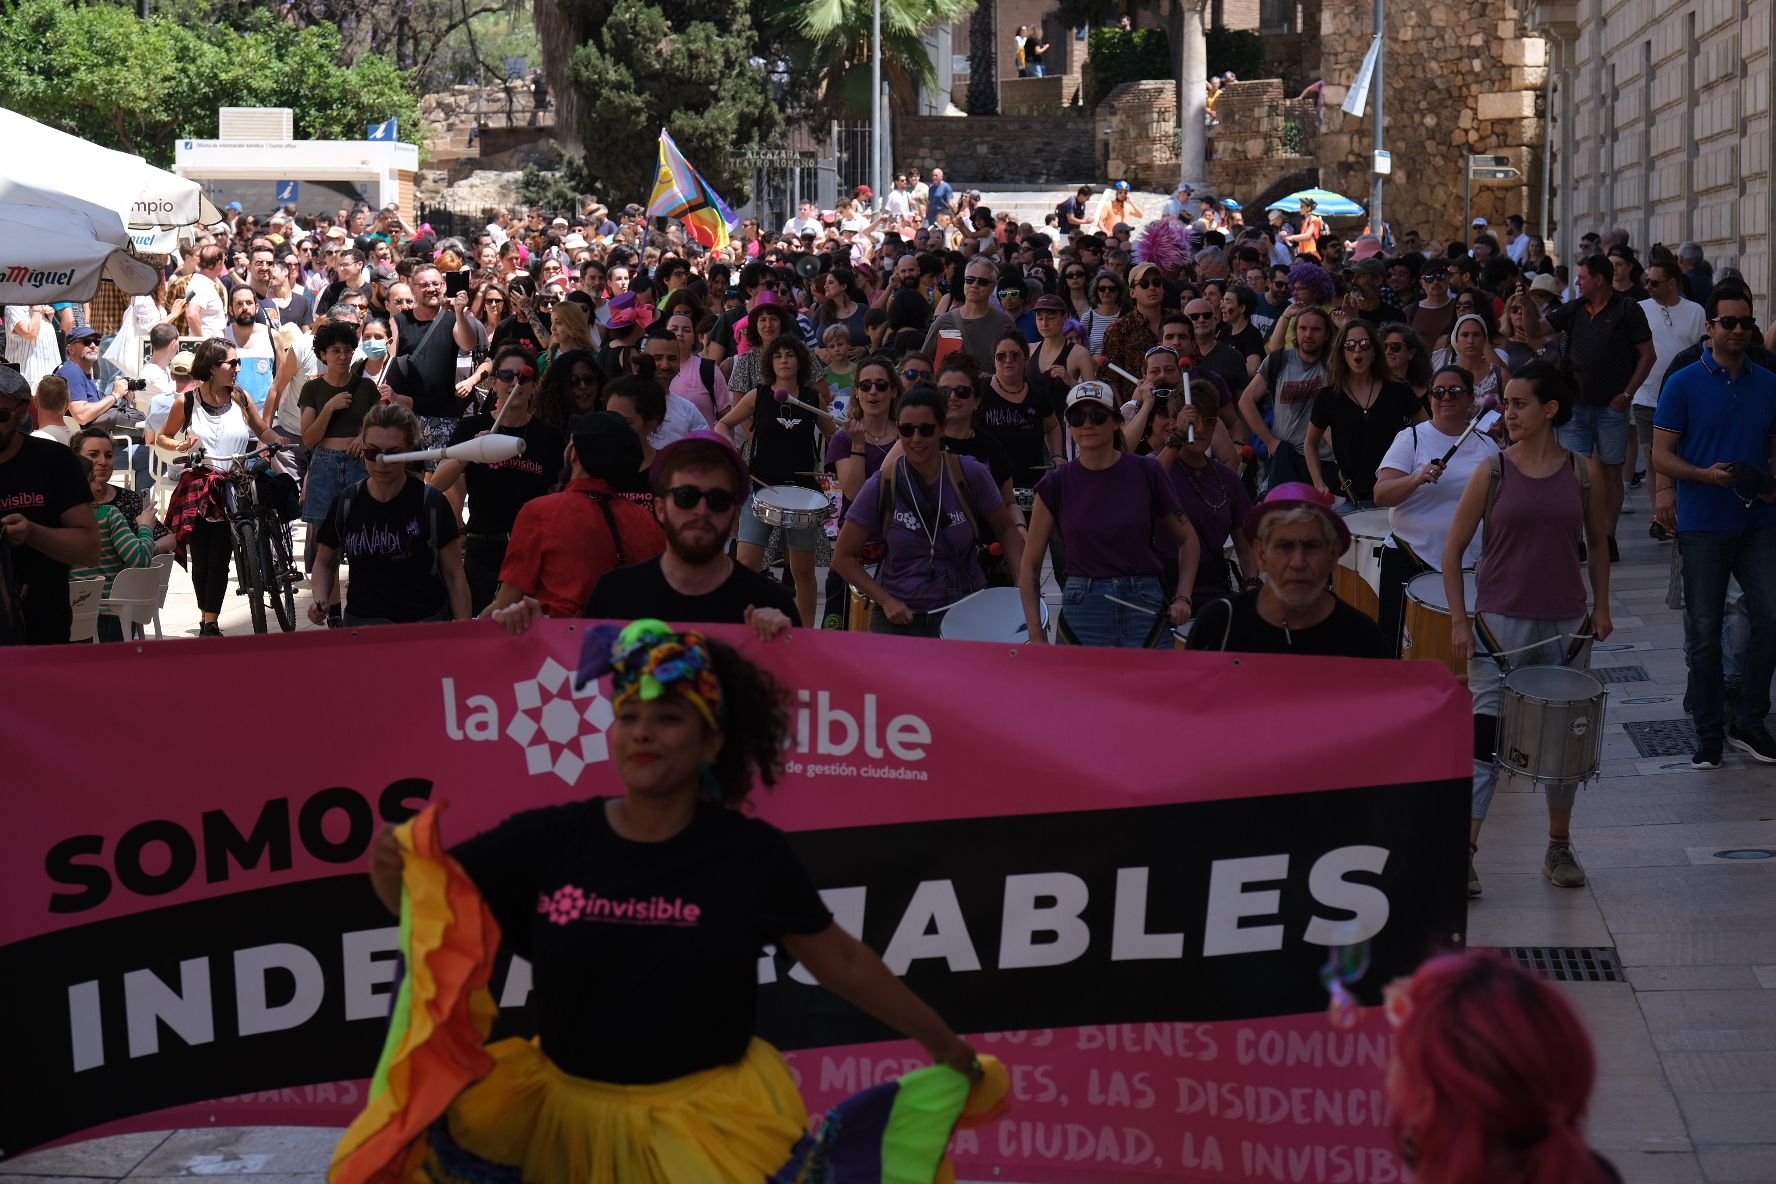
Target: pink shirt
<point>689,385</point>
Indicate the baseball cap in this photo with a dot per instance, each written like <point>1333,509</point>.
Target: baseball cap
<point>13,385</point>
<point>709,443</point>
<point>733,293</point>
<point>1295,495</point>
<point>233,207</point>
<point>1436,270</point>
<point>1093,391</point>
<point>1369,265</point>
<point>180,366</point>
<point>1186,187</point>
<point>82,332</point>
<point>1478,222</point>
<point>1049,304</point>
<point>865,191</point>
<point>382,273</point>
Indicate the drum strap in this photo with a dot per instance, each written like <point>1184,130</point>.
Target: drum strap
<point>1405,548</point>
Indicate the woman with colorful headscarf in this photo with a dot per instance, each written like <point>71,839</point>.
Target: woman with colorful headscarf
<point>643,917</point>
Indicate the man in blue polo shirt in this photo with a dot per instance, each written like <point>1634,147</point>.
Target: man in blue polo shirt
<point>1714,435</point>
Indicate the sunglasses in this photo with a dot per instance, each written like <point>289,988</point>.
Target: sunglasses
<point>1149,282</point>
<point>1436,277</point>
<point>1200,316</point>
<point>1361,345</point>
<point>233,362</point>
<point>1448,392</point>
<point>582,380</point>
<point>1110,289</point>
<point>547,302</point>
<point>959,392</point>
<point>925,430</point>
<point>1078,417</point>
<point>874,384</point>
<point>1394,347</point>
<point>375,455</point>
<point>524,373</point>
<point>686,497</point>
<point>1008,357</point>
<point>1731,323</point>
<point>1075,275</point>
<point>975,281</point>
<point>916,375</point>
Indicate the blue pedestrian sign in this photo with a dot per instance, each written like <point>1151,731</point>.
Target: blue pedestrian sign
<point>286,192</point>
<point>384,131</point>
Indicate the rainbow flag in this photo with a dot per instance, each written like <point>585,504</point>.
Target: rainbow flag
<point>681,192</point>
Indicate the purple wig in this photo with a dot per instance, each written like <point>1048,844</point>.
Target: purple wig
<point>1165,244</point>
<point>1315,279</point>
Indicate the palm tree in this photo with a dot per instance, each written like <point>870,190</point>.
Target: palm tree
<point>983,60</point>
<point>833,36</point>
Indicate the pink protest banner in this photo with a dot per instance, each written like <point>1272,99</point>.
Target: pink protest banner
<point>1122,870</point>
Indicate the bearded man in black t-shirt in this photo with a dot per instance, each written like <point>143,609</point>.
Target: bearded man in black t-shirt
<point>696,581</point>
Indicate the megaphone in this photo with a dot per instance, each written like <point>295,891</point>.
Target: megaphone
<point>807,266</point>
<point>490,449</point>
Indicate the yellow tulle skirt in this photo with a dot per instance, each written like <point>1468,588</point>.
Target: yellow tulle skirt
<point>736,1123</point>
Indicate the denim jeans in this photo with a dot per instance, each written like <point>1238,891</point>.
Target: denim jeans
<point>1735,636</point>
<point>1089,617</point>
<point>1709,558</point>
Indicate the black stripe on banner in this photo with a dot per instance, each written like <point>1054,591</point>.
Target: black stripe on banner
<point>1204,911</point>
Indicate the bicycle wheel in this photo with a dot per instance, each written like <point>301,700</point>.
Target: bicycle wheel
<point>278,576</point>
<point>252,566</point>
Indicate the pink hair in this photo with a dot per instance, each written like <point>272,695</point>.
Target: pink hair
<point>1165,244</point>
<point>1492,1072</point>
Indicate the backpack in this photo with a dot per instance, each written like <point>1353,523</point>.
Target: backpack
<point>430,499</point>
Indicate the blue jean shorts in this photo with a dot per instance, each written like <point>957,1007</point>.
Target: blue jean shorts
<point>1090,614</point>
<point>1597,428</point>
<point>757,531</point>
<point>330,470</point>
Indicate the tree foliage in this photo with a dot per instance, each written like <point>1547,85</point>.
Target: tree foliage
<point>832,38</point>
<point>100,72</point>
<point>1117,56</point>
<point>686,65</point>
<point>1239,50</point>
<point>983,62</point>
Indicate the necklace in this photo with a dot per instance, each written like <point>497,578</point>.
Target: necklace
<point>1006,391</point>
<point>878,438</point>
<point>936,522</point>
<point>1196,488</point>
<point>1374,393</point>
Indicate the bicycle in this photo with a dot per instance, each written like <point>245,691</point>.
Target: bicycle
<point>263,543</point>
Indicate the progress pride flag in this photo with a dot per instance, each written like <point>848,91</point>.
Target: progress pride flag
<point>1124,869</point>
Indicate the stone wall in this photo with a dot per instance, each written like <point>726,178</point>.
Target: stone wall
<point>1138,122</point>
<point>975,150</point>
<point>1052,95</point>
<point>1663,127</point>
<point>1461,79</point>
<point>1260,137</point>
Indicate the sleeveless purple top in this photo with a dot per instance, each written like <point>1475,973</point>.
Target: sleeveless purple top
<point>1529,567</point>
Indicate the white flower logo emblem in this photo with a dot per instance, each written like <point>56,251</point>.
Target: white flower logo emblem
<point>560,729</point>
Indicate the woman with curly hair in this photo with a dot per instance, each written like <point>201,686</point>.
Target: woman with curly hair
<point>644,916</point>
<point>1491,1077</point>
<point>574,385</point>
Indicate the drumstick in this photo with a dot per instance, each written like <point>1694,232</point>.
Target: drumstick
<point>757,482</point>
<point>1576,638</point>
<point>1466,432</point>
<point>1137,607</point>
<point>1124,373</point>
<point>783,396</point>
<point>1190,428</point>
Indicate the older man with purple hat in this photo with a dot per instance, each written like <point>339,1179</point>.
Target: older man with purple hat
<point>1299,538</point>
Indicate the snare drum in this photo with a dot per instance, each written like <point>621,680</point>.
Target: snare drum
<point>1424,631</point>
<point>791,507</point>
<point>1551,724</point>
<point>1181,635</point>
<point>1357,578</point>
<point>992,614</point>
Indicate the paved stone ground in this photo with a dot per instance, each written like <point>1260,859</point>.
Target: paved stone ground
<point>1686,1047</point>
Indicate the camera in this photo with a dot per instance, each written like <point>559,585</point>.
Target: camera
<point>135,384</point>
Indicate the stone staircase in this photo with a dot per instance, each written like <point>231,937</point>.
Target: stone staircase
<point>1033,203</point>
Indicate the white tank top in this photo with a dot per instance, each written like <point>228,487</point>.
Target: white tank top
<point>224,434</point>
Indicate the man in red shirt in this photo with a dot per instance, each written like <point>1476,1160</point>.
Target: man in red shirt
<point>564,543</point>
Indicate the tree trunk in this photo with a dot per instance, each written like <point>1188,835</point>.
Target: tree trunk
<point>1190,66</point>
<point>983,60</point>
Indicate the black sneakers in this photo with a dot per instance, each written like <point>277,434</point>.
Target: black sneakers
<point>1708,755</point>
<point>1615,551</point>
<point>1754,742</point>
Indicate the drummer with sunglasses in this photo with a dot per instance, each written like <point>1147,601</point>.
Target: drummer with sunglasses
<point>496,492</point>
<point>1106,504</point>
<point>929,534</point>
<point>1420,490</point>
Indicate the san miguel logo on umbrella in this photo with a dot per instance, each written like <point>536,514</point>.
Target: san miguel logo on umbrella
<point>681,192</point>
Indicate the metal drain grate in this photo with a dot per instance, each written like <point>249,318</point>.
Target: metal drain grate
<point>1569,964</point>
<point>1614,674</point>
<point>1663,737</point>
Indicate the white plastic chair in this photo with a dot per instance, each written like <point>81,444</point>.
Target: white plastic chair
<point>83,598</point>
<point>134,599</point>
<point>166,476</point>
<point>162,566</point>
<point>123,476</point>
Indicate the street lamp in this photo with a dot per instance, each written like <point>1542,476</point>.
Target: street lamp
<point>876,104</point>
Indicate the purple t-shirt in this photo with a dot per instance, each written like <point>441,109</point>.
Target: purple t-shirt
<point>921,577</point>
<point>1215,502</point>
<point>1108,517</point>
<point>839,448</point>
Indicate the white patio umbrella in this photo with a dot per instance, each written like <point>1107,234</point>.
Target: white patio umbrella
<point>147,205</point>
<point>49,254</point>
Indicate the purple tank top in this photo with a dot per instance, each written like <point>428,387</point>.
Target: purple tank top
<point>1529,565</point>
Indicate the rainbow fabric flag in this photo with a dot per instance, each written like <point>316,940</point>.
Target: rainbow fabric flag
<point>681,192</point>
